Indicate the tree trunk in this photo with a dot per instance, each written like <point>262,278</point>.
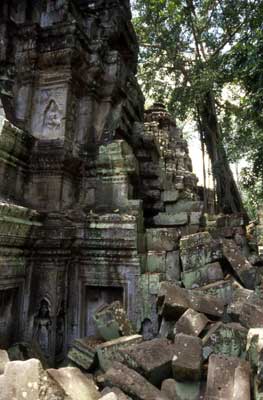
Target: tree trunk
<point>228,197</point>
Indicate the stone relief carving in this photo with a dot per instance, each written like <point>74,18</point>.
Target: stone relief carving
<point>42,327</point>
<point>52,119</point>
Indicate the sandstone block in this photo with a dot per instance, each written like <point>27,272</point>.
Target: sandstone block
<point>187,359</point>
<point>27,380</point>
<point>170,196</point>
<point>118,393</point>
<point>160,239</point>
<point>112,321</point>
<point>173,267</point>
<point>191,323</point>
<point>74,383</point>
<point>228,378</point>
<point>171,219</point>
<point>152,359</point>
<point>242,267</point>
<point>156,261</point>
<point>168,388</point>
<point>173,301</point>
<point>239,297</point>
<point>131,383</point>
<point>251,315</point>
<point>83,352</point>
<point>228,339</point>
<point>203,275</point>
<point>110,351</point>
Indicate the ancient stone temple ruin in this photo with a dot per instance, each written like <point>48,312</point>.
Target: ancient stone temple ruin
<point>106,250</point>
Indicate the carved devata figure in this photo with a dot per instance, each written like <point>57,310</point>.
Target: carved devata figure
<point>42,328</point>
<point>52,119</point>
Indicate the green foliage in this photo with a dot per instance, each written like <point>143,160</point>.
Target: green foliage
<point>192,47</point>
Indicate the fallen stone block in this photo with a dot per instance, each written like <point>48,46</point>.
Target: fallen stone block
<point>228,378</point>
<point>112,322</point>
<point>203,275</point>
<point>168,388</point>
<point>245,271</point>
<point>152,359</point>
<point>173,301</point>
<point>110,351</point>
<point>251,315</point>
<point>239,297</point>
<point>119,393</point>
<point>228,339</point>
<point>222,290</point>
<point>131,383</point>
<point>83,352</point>
<point>255,348</point>
<point>191,323</point>
<point>27,380</point>
<point>187,359</point>
<point>4,359</point>
<point>109,396</point>
<point>74,383</point>
<point>206,304</point>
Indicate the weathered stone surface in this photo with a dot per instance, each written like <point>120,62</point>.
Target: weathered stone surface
<point>173,301</point>
<point>203,275</point>
<point>74,383</point>
<point>83,351</point>
<point>171,219</point>
<point>27,380</point>
<point>198,250</point>
<point>239,297</point>
<point>251,314</point>
<point>156,261</point>
<point>162,239</point>
<point>131,383</point>
<point>152,359</point>
<point>227,339</point>
<point>4,359</point>
<point>175,390</point>
<point>173,267</point>
<point>241,266</point>
<point>109,396</point>
<point>118,393</point>
<point>228,378</point>
<point>169,388</point>
<point>112,322</point>
<point>187,359</point>
<point>110,351</point>
<point>191,323</point>
<point>255,348</point>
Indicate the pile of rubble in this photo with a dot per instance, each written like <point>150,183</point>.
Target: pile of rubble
<point>209,345</point>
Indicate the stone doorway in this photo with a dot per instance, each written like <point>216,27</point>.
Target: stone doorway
<point>95,297</point>
<point>9,316</point>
